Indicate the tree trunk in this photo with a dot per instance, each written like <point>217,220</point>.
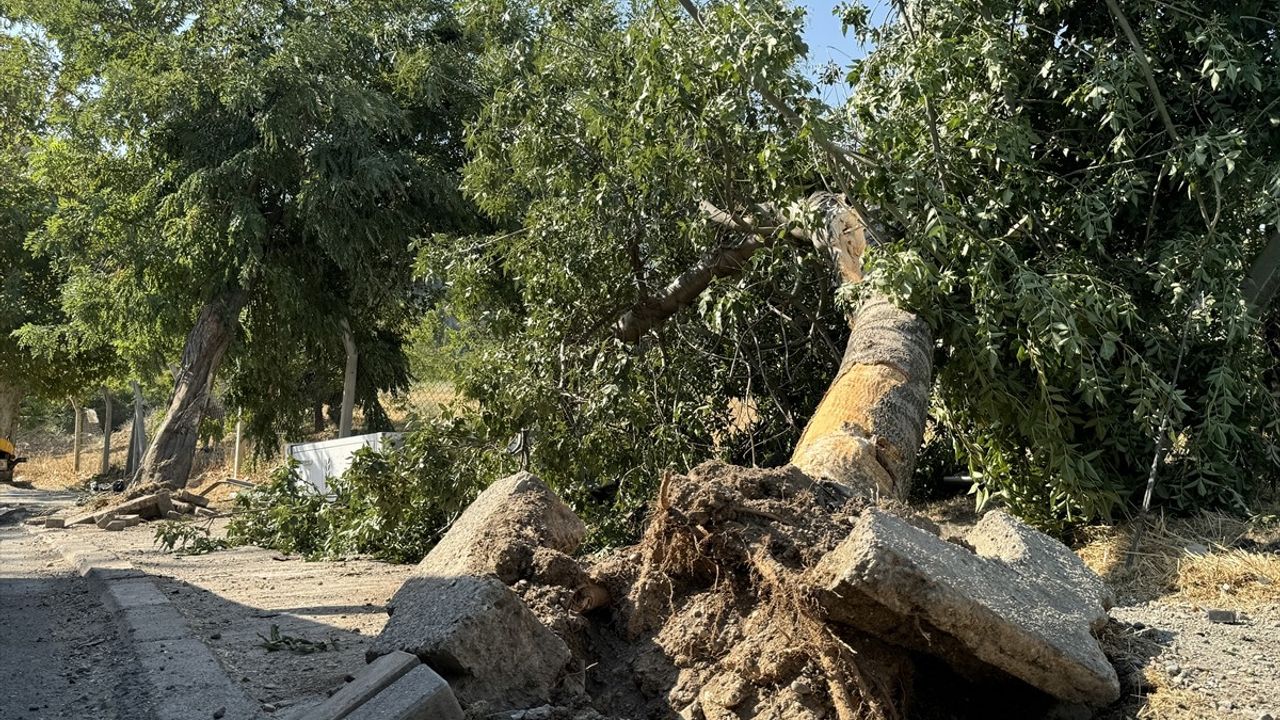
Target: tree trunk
<point>868,427</point>
<point>106,431</point>
<point>317,417</point>
<point>168,459</point>
<point>78,422</point>
<point>10,403</point>
<point>348,380</point>
<point>235,458</point>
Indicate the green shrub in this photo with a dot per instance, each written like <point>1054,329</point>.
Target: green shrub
<point>393,505</point>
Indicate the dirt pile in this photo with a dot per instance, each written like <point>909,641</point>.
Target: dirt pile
<point>715,614</point>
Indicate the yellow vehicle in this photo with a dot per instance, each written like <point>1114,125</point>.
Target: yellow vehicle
<point>8,460</point>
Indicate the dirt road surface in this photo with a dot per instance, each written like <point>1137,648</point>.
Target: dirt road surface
<point>60,652</point>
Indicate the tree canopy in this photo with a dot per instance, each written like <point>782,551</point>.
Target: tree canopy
<point>266,162</point>
<point>1071,203</point>
<point>605,213</point>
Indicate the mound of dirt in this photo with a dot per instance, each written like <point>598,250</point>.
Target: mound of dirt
<point>710,617</point>
<point>713,615</point>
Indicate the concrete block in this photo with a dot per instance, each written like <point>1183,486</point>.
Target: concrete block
<point>913,588</point>
<point>1226,617</point>
<point>156,505</point>
<point>104,519</point>
<point>498,533</point>
<point>83,518</point>
<point>420,694</point>
<point>372,680</point>
<point>478,634</point>
<point>129,520</point>
<point>185,508</point>
<point>115,525</point>
<point>205,512</point>
<point>55,522</point>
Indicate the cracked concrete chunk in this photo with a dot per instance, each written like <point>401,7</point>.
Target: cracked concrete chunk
<point>499,531</point>
<point>479,635</point>
<point>910,587</point>
<point>371,681</point>
<point>1000,536</point>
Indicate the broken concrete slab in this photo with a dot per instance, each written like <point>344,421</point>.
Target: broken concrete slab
<point>1000,536</point>
<point>205,512</point>
<point>115,525</point>
<point>420,694</point>
<point>148,507</point>
<point>185,508</point>
<point>908,586</point>
<point>498,533</point>
<point>129,520</point>
<point>375,678</point>
<point>479,635</point>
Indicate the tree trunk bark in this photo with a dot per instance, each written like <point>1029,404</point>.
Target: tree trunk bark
<point>106,431</point>
<point>868,427</point>
<point>79,434</point>
<point>348,380</point>
<point>168,459</point>
<point>10,403</point>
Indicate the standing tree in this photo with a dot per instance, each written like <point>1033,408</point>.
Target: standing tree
<point>248,165</point>
<point>39,354</point>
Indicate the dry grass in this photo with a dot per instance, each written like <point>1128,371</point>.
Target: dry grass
<point>1166,701</point>
<point>51,463</point>
<point>1198,559</point>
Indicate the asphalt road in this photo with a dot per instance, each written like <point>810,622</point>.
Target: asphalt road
<point>61,655</point>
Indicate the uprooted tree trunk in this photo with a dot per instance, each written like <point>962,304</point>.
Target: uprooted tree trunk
<point>866,431</point>
<point>168,459</point>
<point>10,402</point>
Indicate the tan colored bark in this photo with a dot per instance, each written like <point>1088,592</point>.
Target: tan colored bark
<point>868,427</point>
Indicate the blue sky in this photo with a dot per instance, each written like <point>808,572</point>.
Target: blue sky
<point>827,43</point>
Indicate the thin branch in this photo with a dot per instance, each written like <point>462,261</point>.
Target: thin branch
<point>1141,55</point>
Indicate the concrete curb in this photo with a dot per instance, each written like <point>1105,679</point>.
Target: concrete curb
<point>184,679</point>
